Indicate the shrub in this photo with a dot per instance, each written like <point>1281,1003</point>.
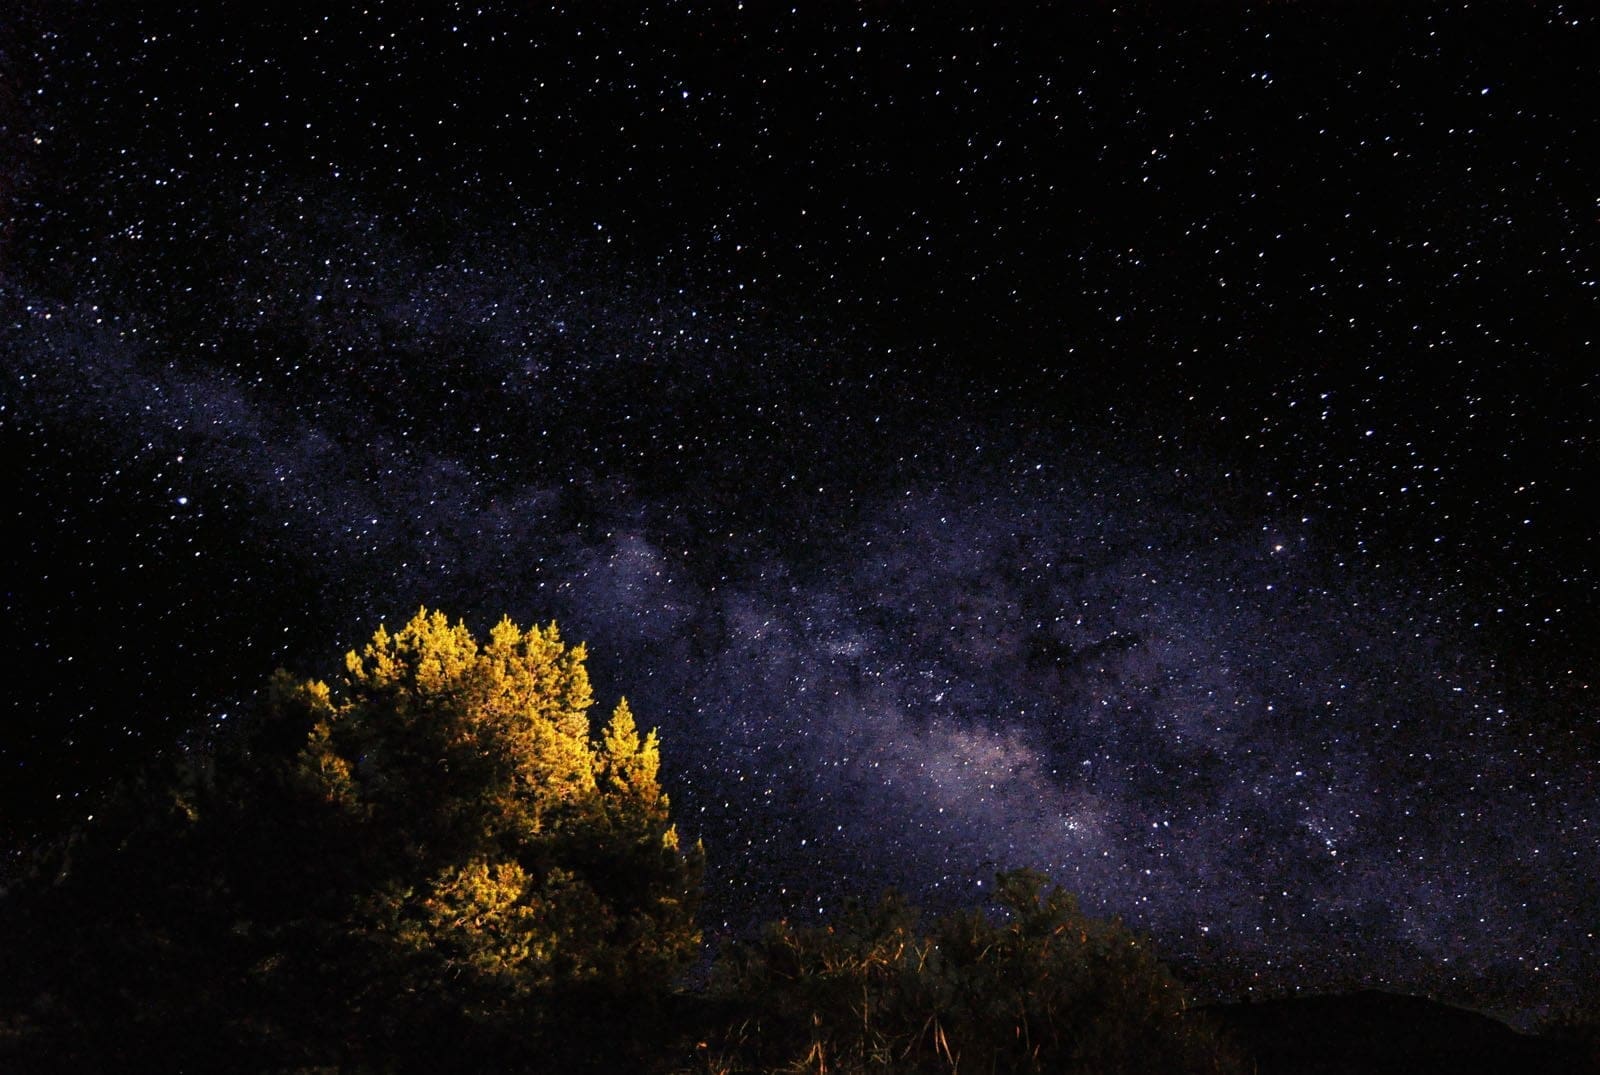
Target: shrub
<point>1039,987</point>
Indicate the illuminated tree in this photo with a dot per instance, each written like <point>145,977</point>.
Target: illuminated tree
<point>435,860</point>
<point>505,852</point>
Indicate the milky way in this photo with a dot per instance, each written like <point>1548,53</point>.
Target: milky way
<point>1165,478</point>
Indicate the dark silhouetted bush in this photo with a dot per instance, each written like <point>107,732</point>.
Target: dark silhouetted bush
<point>1039,987</point>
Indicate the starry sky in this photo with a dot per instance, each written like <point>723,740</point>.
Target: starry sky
<point>1149,443</point>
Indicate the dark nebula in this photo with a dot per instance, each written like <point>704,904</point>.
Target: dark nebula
<point>1149,443</point>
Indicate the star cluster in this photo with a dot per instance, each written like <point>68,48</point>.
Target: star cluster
<point>1147,444</point>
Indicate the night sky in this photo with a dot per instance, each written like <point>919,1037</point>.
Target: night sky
<point>1148,443</point>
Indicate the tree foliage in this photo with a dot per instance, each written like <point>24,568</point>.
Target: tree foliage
<point>437,852</point>
<point>1041,987</point>
<point>514,845</point>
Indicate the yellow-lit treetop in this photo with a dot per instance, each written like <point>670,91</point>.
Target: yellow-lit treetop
<point>530,848</point>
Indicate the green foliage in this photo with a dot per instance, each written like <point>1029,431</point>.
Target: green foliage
<point>434,861</point>
<point>1040,988</point>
